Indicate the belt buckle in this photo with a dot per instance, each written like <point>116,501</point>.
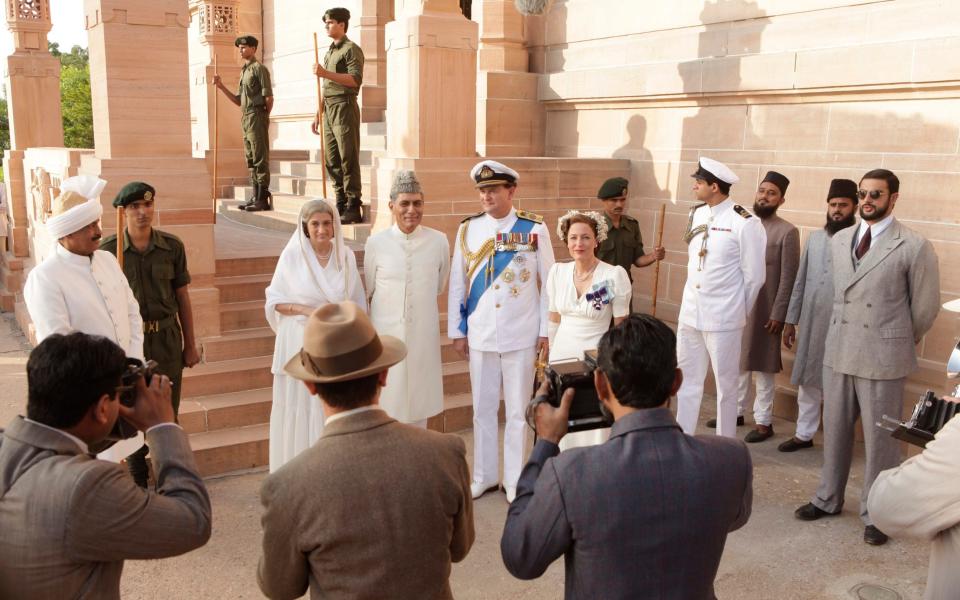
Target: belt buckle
<point>151,326</point>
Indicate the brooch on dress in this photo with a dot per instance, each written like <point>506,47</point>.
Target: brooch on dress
<point>600,294</point>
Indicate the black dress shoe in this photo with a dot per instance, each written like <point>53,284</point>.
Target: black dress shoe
<point>874,536</point>
<point>793,444</point>
<point>761,433</point>
<point>812,512</point>
<point>712,423</point>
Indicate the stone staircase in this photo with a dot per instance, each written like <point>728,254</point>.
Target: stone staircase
<point>227,398</point>
<point>293,181</point>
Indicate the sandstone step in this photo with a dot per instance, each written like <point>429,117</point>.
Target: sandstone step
<point>286,220</point>
<point>240,288</point>
<point>236,267</point>
<point>242,315</point>
<point>224,411</point>
<point>239,344</point>
<point>226,450</point>
<point>227,376</point>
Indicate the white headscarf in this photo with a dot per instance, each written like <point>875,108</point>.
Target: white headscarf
<point>70,213</point>
<point>299,278</point>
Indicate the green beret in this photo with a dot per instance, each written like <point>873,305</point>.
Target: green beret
<point>339,14</point>
<point>613,188</point>
<point>133,192</point>
<point>246,40</point>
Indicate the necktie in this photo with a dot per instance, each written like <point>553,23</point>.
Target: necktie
<point>864,245</point>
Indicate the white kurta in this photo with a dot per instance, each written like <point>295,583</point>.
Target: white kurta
<point>404,274</point>
<point>68,292</point>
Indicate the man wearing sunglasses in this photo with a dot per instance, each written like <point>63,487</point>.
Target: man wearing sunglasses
<point>886,297</point>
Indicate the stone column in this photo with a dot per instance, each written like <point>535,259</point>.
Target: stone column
<point>140,89</point>
<point>374,15</point>
<point>510,120</point>
<point>216,27</point>
<point>33,105</point>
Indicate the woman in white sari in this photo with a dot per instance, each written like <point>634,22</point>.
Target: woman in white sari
<point>585,294</point>
<point>315,268</point>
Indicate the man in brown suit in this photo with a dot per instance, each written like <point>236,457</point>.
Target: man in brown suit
<point>760,354</point>
<point>68,520</point>
<point>375,508</point>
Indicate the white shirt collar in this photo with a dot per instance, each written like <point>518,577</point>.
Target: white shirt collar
<point>507,220</point>
<point>396,230</point>
<point>875,229</point>
<point>77,259</point>
<point>719,208</point>
<point>347,413</point>
<point>80,443</point>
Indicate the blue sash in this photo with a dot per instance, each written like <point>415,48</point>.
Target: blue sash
<point>481,282</point>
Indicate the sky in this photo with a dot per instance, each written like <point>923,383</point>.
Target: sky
<point>68,27</point>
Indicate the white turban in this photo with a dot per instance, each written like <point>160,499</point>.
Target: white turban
<point>77,206</point>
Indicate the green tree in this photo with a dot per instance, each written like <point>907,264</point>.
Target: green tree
<point>75,101</point>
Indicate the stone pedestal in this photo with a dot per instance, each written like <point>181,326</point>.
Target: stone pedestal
<point>510,120</point>
<point>141,96</point>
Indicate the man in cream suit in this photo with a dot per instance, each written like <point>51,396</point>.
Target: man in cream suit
<point>497,317</point>
<point>886,297</point>
<point>374,508</point>
<point>68,520</point>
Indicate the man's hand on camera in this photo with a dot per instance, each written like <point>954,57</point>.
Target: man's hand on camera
<point>153,405</point>
<point>552,422</point>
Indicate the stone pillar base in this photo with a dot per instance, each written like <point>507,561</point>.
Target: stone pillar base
<point>510,120</point>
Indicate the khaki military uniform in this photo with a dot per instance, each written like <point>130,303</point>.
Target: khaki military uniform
<point>253,90</point>
<point>341,122</point>
<point>623,245</point>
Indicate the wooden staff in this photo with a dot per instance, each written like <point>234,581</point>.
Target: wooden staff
<point>320,110</point>
<point>656,268</point>
<point>216,135</point>
<point>120,236</point>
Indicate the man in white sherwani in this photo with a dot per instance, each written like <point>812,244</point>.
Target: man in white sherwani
<point>405,269</point>
<point>81,288</point>
<point>811,305</point>
<point>725,271</point>
<point>497,317</point>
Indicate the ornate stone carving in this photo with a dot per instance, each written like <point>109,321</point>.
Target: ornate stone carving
<point>217,18</point>
<point>28,10</point>
<point>43,189</point>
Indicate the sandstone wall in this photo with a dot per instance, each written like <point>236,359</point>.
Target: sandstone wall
<point>816,89</point>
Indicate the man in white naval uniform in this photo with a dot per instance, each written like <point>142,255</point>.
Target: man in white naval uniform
<point>497,317</point>
<point>725,271</point>
<point>81,288</point>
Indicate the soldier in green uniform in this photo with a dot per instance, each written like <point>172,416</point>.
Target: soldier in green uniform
<point>155,264</point>
<point>623,246</point>
<point>255,98</point>
<point>343,71</point>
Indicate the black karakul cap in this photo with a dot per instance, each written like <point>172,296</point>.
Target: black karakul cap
<point>246,40</point>
<point>614,187</point>
<point>843,188</point>
<point>134,192</point>
<point>777,179</point>
<point>338,14</point>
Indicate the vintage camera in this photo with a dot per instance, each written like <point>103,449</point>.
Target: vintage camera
<point>930,413</point>
<point>585,413</point>
<point>122,430</point>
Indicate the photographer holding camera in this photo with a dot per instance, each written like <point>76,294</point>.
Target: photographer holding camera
<point>644,514</point>
<point>70,520</point>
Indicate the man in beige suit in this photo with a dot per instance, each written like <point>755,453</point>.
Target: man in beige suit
<point>886,297</point>
<point>68,520</point>
<point>374,508</point>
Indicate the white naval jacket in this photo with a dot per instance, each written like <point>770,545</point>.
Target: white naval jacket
<point>722,285</point>
<point>512,313</point>
<point>68,292</point>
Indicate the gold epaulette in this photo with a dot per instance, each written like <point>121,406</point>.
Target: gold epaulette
<point>529,216</point>
<point>742,211</point>
<point>473,216</point>
<point>692,231</point>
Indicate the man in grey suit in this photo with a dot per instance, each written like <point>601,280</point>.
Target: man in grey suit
<point>375,508</point>
<point>68,520</point>
<point>886,296</point>
<point>644,515</point>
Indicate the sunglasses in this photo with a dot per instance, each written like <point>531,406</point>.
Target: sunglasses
<point>874,194</point>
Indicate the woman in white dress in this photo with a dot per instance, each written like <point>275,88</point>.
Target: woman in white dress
<point>315,268</point>
<point>584,295</point>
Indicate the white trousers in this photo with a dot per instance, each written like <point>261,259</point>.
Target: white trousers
<point>695,351</point>
<point>487,370</point>
<point>422,424</point>
<point>808,416</point>
<point>763,401</point>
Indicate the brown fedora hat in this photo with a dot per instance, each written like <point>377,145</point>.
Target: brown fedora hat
<point>340,343</point>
